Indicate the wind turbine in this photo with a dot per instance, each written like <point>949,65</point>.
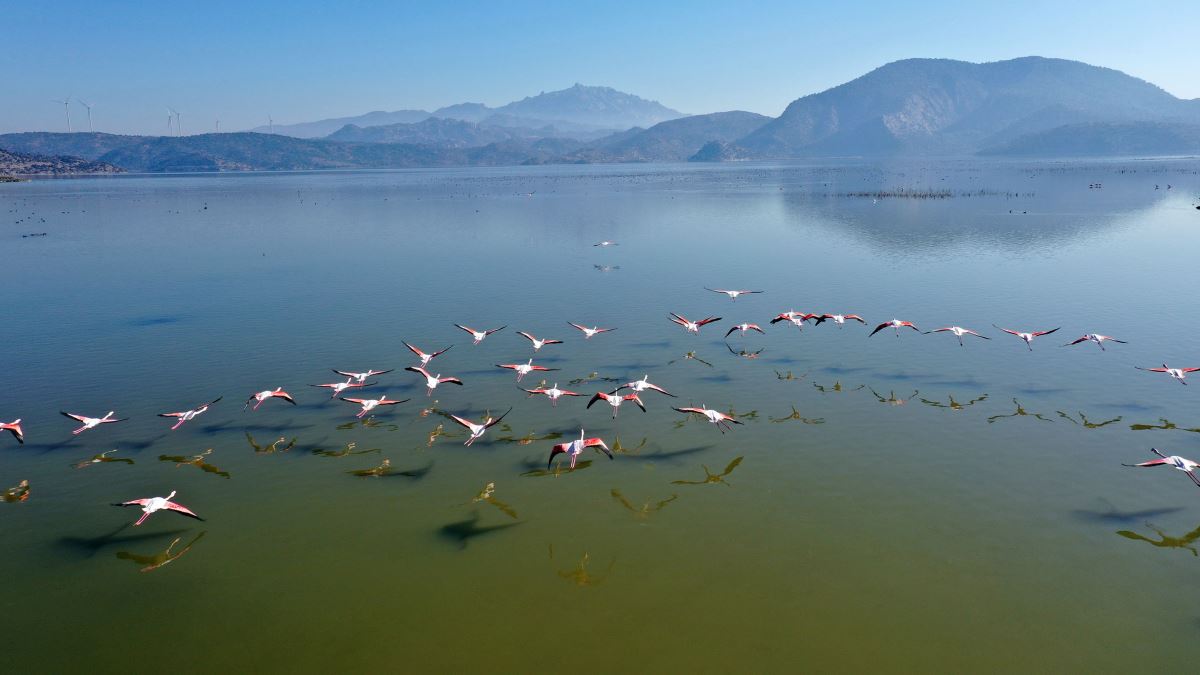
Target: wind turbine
<point>89,109</point>
<point>173,112</point>
<point>170,114</point>
<point>67,107</point>
<point>218,125</point>
<point>270,124</point>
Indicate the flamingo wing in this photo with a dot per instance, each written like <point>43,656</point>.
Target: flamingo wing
<point>77,418</point>
<point>450,380</point>
<point>880,327</point>
<point>708,320</point>
<point>464,422</point>
<point>599,396</point>
<point>418,369</point>
<point>497,420</point>
<point>134,502</point>
<point>1075,341</point>
<point>1045,332</point>
<point>182,510</point>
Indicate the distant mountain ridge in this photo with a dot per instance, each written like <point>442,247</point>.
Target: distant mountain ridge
<point>1023,107</point>
<point>21,164</point>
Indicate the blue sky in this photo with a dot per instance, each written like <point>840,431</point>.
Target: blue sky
<point>300,61</point>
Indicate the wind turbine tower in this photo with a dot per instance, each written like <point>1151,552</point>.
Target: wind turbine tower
<point>170,116</point>
<point>89,109</point>
<point>67,107</point>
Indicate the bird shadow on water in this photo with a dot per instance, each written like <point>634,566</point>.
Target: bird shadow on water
<point>154,320</point>
<point>461,532</point>
<point>231,425</point>
<point>90,546</point>
<point>1110,514</point>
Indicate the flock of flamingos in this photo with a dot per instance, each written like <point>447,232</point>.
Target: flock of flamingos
<point>615,398</point>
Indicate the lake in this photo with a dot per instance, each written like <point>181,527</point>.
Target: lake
<point>901,505</point>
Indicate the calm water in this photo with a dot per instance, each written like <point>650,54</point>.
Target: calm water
<point>880,536</point>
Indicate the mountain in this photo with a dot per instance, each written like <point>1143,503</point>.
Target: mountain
<point>433,131</point>
<point>1107,139</point>
<point>17,163</point>
<point>599,107</point>
<point>940,106</point>
<point>672,141</point>
<point>88,145</point>
<point>322,128</point>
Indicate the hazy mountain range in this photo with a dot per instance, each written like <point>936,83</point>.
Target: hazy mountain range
<point>917,107</point>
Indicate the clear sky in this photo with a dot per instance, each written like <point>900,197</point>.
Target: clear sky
<point>300,61</point>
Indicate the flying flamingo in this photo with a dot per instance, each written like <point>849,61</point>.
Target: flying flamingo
<point>432,381</point>
<point>958,331</point>
<point>369,404</point>
<point>574,449</point>
<point>479,335</point>
<point>692,326</point>
<point>605,244</point>
<point>91,422</point>
<point>362,377</point>
<point>189,414</point>
<point>523,369</point>
<point>151,504</point>
<point>14,427</point>
<point>615,401</point>
<point>1181,463</point>
<point>478,429</point>
<point>1177,373</point>
<point>1028,337</point>
<point>261,396</point>
<point>553,393</point>
<point>1094,337</point>
<point>745,327</point>
<point>538,344</point>
<point>336,388</point>
<point>896,324</point>
<point>733,295</point>
<point>589,332</point>
<point>720,419</point>
<point>425,358</point>
<point>839,319</point>
<point>638,386</point>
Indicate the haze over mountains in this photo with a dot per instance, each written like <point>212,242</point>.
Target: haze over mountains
<point>1026,107</point>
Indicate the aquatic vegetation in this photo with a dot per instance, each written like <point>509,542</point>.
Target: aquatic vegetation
<point>710,477</point>
<point>272,447</point>
<point>1164,540</point>
<point>795,415</point>
<point>17,493</point>
<point>196,461</point>
<point>152,562</point>
<point>102,458</point>
<point>1019,412</point>
<point>644,511</point>
<point>954,405</point>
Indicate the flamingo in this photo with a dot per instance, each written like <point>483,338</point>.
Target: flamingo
<point>336,388</point>
<point>425,358</point>
<point>151,504</point>
<point>478,429</point>
<point>538,344</point>
<point>1177,373</point>
<point>589,332</point>
<point>362,377</point>
<point>369,404</point>
<point>91,422</point>
<point>1028,337</point>
<point>1181,463</point>
<point>574,449</point>
<point>959,332</point>
<point>615,400</point>
<point>733,295</point>
<point>189,414</point>
<point>638,386</point>
<point>692,326</point>
<point>479,335</point>
<point>896,324</point>
<point>605,244</point>
<point>432,381</point>
<point>840,319</point>
<point>523,369</point>
<point>1094,337</point>
<point>553,393</point>
<point>745,327</point>
<point>261,396</point>
<point>720,419</point>
<point>14,427</point>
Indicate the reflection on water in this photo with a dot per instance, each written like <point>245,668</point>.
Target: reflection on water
<point>710,477</point>
<point>580,576</point>
<point>836,388</point>
<point>346,451</point>
<point>1019,412</point>
<point>16,493</point>
<point>488,496</point>
<point>796,416</point>
<point>102,458</point>
<point>647,508</point>
<point>1084,422</point>
<point>952,404</point>
<point>196,461</point>
<point>892,399</point>
<point>271,447</point>
<point>1163,424</point>
<point>152,562</point>
<point>1164,540</point>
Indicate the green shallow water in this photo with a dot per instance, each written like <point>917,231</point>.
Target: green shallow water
<point>887,537</point>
